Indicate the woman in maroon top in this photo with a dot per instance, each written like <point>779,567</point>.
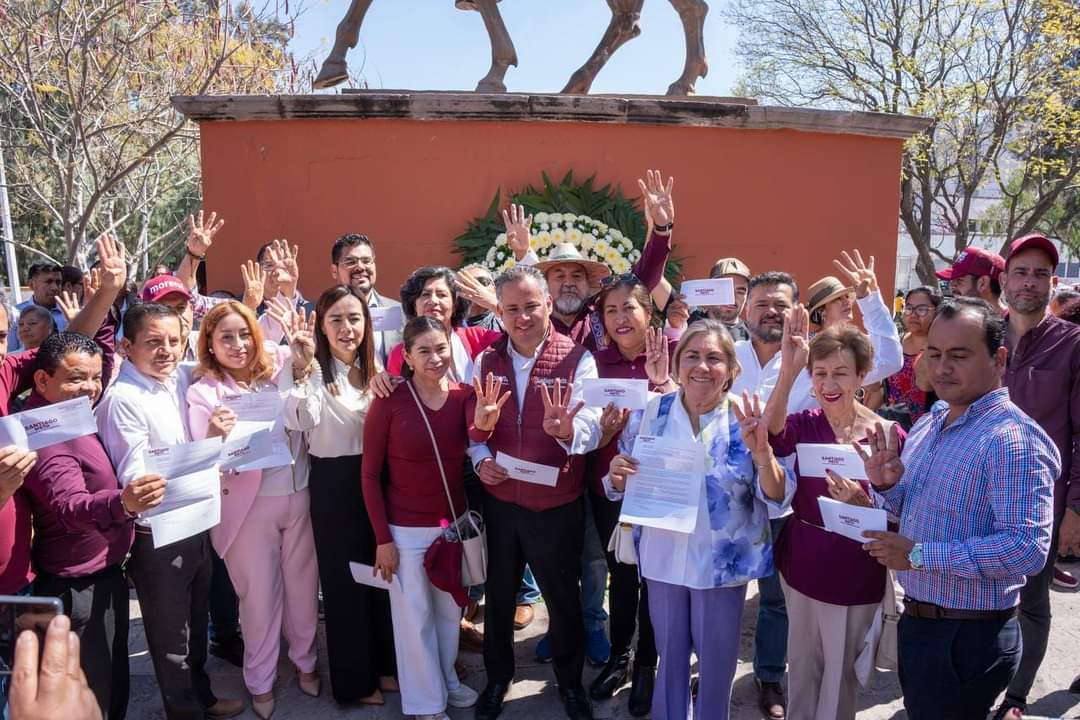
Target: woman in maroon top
<point>635,351</point>
<point>407,511</point>
<point>831,586</point>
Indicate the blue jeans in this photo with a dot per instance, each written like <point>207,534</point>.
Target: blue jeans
<point>528,593</point>
<point>593,574</point>
<point>770,640</point>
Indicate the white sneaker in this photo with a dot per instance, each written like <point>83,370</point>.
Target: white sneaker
<point>462,696</point>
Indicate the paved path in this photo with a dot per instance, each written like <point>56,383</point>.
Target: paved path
<point>534,697</point>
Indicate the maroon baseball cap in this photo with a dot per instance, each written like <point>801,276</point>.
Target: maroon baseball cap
<point>161,285</point>
<point>974,261</point>
<point>1035,241</point>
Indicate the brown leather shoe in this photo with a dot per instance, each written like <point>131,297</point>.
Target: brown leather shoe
<point>471,610</point>
<point>226,708</point>
<point>771,700</point>
<point>470,638</point>
<point>523,617</point>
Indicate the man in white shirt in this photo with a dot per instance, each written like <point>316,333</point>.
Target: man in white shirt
<point>539,524</point>
<point>352,263</point>
<point>146,408</point>
<point>770,297</point>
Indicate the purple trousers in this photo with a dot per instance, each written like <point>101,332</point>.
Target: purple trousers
<point>708,623</point>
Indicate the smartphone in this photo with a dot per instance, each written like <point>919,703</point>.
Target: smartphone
<point>23,612</point>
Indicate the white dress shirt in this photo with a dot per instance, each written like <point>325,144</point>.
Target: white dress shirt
<point>586,422</point>
<point>334,423</point>
<point>888,352</point>
<point>761,379</point>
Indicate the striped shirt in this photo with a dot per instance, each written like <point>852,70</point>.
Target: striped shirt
<point>978,494</point>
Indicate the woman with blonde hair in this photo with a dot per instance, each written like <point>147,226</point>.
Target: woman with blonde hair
<point>265,533</point>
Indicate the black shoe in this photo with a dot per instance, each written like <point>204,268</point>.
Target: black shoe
<point>771,700</point>
<point>1075,687</point>
<point>230,650</point>
<point>611,678</point>
<point>641,690</point>
<point>489,706</point>
<point>1006,706</point>
<point>576,704</point>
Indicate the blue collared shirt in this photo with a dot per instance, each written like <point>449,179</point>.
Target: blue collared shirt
<point>13,330</point>
<point>978,494</point>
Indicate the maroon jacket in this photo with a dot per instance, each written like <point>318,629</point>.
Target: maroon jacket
<point>522,435</point>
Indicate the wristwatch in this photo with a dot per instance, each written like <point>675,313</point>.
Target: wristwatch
<point>915,557</point>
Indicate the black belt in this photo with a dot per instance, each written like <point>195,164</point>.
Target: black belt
<point>930,611</point>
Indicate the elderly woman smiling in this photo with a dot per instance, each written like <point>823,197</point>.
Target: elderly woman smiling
<point>697,581</point>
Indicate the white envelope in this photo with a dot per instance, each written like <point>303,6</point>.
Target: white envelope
<point>529,472</point>
<point>258,451</point>
<point>630,394</point>
<point>365,575</point>
<point>816,458</point>
<point>703,293</point>
<point>386,319</point>
<point>851,520</point>
<point>48,425</point>
<point>262,407</point>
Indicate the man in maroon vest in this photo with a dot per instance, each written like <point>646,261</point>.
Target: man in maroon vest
<point>542,525</point>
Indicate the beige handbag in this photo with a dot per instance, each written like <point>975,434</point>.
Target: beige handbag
<point>621,543</point>
<point>879,647</point>
<point>469,526</point>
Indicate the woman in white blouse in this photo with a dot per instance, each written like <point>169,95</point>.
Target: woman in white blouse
<point>697,580</point>
<point>330,408</point>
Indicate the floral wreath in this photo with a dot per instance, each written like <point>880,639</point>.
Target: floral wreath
<point>602,224</point>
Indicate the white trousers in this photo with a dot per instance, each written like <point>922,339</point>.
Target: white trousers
<point>426,626</point>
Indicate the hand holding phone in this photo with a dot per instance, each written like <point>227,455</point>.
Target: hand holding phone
<point>59,688</point>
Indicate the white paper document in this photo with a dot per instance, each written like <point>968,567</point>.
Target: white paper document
<point>48,425</point>
<point>528,471</point>
<point>851,520</point>
<point>703,293</point>
<point>192,501</point>
<point>258,440</point>
<point>816,458</point>
<point>666,490</point>
<point>629,394</point>
<point>366,575</point>
<point>262,407</point>
<point>386,319</point>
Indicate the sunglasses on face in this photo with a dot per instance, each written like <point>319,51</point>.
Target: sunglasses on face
<point>621,277</point>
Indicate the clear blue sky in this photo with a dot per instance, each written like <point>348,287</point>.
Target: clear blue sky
<point>430,45</point>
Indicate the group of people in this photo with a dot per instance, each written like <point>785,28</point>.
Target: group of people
<point>399,438</point>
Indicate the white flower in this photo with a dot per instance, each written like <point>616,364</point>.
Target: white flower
<point>623,266</point>
<point>500,239</point>
<point>588,241</point>
<point>533,242</point>
<point>602,247</point>
<point>543,239</point>
<point>616,234</point>
<point>558,235</point>
<point>555,218</point>
<point>570,217</point>
<point>541,217</point>
<point>490,254</point>
<point>602,227</point>
<point>574,236</point>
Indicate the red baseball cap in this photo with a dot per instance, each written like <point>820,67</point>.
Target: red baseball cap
<point>975,261</point>
<point>1035,241</point>
<point>161,285</point>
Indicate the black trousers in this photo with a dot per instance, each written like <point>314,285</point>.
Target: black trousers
<point>955,669</point>
<point>628,598</point>
<point>359,635</point>
<point>224,605</point>
<point>98,607</point>
<point>173,584</point>
<point>550,541</point>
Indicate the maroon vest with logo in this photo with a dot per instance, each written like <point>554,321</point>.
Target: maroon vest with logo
<point>522,435</point>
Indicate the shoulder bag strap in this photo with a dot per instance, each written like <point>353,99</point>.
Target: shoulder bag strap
<point>435,446</point>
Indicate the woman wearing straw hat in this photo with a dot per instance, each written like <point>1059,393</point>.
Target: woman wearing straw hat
<point>831,302</point>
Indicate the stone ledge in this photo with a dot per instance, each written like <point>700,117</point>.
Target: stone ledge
<point>690,112</point>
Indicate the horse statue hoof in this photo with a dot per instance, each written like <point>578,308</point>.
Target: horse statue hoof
<point>490,86</point>
<point>333,72</point>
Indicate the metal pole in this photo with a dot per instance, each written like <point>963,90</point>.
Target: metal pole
<point>9,234</point>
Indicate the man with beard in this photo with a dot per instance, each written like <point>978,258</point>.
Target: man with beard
<point>976,274</point>
<point>352,263</point>
<point>1043,378</point>
<point>770,297</point>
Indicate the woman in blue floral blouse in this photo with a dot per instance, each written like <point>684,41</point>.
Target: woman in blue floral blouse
<point>697,580</point>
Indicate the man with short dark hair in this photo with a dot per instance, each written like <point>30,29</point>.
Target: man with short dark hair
<point>71,281</point>
<point>1043,378</point>
<point>352,263</point>
<point>44,279</point>
<point>976,273</point>
<point>974,494</point>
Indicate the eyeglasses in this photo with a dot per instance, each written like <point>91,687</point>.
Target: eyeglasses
<point>351,262</point>
<point>920,310</point>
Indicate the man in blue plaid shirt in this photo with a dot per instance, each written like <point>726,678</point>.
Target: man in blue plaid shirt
<point>974,493</point>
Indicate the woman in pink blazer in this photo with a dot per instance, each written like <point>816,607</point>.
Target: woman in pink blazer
<point>265,534</point>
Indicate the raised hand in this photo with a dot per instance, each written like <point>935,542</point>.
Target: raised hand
<point>883,465</point>
<point>752,425</point>
<point>474,292</point>
<point>656,356</point>
<point>558,416</point>
<point>143,493</point>
<point>68,302</point>
<point>621,468</point>
<point>860,275</point>
<point>222,421</point>
<point>659,208</point>
<point>517,230</point>
<point>488,402</point>
<point>113,266</point>
<point>201,233</point>
<point>300,333</point>
<point>254,283</point>
<point>847,491</point>
<point>795,343</point>
<point>284,257</point>
<point>678,312</point>
<point>612,421</point>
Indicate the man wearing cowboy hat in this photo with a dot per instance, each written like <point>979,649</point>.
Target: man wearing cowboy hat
<point>976,274</point>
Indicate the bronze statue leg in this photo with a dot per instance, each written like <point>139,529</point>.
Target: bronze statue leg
<point>503,54</point>
<point>624,25</point>
<point>692,13</point>
<point>334,69</point>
